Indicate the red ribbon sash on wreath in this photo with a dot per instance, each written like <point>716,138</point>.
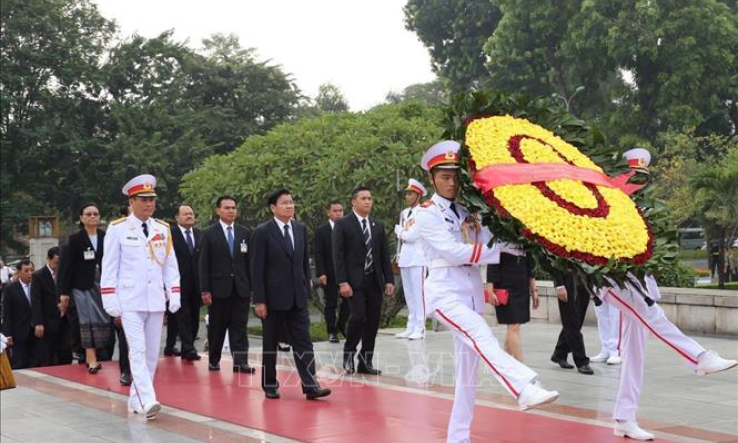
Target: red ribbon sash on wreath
<point>525,173</point>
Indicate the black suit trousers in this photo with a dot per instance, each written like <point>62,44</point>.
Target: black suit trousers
<point>54,348</point>
<point>229,315</point>
<point>572,318</point>
<point>296,322</point>
<point>24,354</point>
<point>363,322</point>
<point>188,322</point>
<point>172,329</point>
<point>334,326</point>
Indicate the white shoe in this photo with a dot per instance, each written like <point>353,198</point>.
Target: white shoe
<point>630,429</point>
<point>710,362</point>
<point>614,360</point>
<point>533,395</point>
<point>600,358</point>
<point>416,336</point>
<point>151,409</point>
<point>404,334</point>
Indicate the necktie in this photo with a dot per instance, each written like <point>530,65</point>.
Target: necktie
<point>190,243</point>
<point>453,209</point>
<point>230,240</point>
<point>410,212</point>
<point>146,229</point>
<point>288,239</point>
<point>368,260</point>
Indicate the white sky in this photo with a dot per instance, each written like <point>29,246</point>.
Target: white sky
<point>360,46</point>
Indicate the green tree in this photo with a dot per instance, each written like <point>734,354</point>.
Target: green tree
<point>50,101</point>
<point>172,107</point>
<point>455,31</point>
<point>320,159</point>
<point>716,200</point>
<point>636,67</point>
<point>331,99</point>
<point>683,57</point>
<point>431,93</point>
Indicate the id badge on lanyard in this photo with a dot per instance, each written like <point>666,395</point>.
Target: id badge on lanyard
<point>89,254</point>
<point>244,247</point>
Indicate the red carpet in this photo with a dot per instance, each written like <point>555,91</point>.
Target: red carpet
<point>354,413</point>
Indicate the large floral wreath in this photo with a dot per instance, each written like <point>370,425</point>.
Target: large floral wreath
<point>543,178</point>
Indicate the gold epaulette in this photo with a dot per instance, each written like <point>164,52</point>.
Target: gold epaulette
<point>162,222</point>
<point>119,221</point>
<point>427,204</point>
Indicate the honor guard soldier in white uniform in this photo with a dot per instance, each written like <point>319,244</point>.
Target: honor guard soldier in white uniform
<point>638,319</point>
<point>139,275</point>
<point>411,262</point>
<point>454,244</point>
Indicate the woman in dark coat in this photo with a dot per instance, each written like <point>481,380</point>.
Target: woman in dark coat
<point>516,274</point>
<point>80,278</point>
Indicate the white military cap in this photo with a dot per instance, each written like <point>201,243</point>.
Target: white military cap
<point>416,186</point>
<point>444,155</point>
<point>638,158</point>
<point>140,186</point>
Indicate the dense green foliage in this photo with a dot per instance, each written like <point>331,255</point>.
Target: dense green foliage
<point>83,112</point>
<point>634,67</point>
<point>320,159</point>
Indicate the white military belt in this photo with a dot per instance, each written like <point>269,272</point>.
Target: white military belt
<point>442,263</point>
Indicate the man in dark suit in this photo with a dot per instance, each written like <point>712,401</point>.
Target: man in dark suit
<point>363,271</point>
<point>573,302</point>
<point>47,318</point>
<point>18,319</point>
<point>225,284</point>
<point>327,275</point>
<point>280,272</point>
<point>187,240</point>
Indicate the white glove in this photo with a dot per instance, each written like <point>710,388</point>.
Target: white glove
<point>398,230</point>
<point>113,311</point>
<point>174,303</point>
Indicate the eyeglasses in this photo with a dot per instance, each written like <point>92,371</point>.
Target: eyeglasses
<point>91,214</point>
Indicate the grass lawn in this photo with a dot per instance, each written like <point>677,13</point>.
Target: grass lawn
<point>687,254</point>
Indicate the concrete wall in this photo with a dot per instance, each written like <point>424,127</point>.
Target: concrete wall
<point>707,311</point>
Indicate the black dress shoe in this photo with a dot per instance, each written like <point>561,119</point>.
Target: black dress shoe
<point>126,379</point>
<point>173,352</point>
<point>348,364</point>
<point>333,338</point>
<point>313,393</point>
<point>562,362</point>
<point>191,356</point>
<point>214,366</point>
<point>368,369</point>
<point>244,368</point>
<point>585,369</point>
<point>272,393</point>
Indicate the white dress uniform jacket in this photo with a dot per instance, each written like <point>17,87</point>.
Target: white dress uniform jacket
<point>139,273</point>
<point>410,253</point>
<point>454,294</point>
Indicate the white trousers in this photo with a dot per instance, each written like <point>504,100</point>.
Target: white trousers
<point>638,320</point>
<point>609,328</point>
<point>143,333</point>
<point>461,310</point>
<point>412,286</point>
